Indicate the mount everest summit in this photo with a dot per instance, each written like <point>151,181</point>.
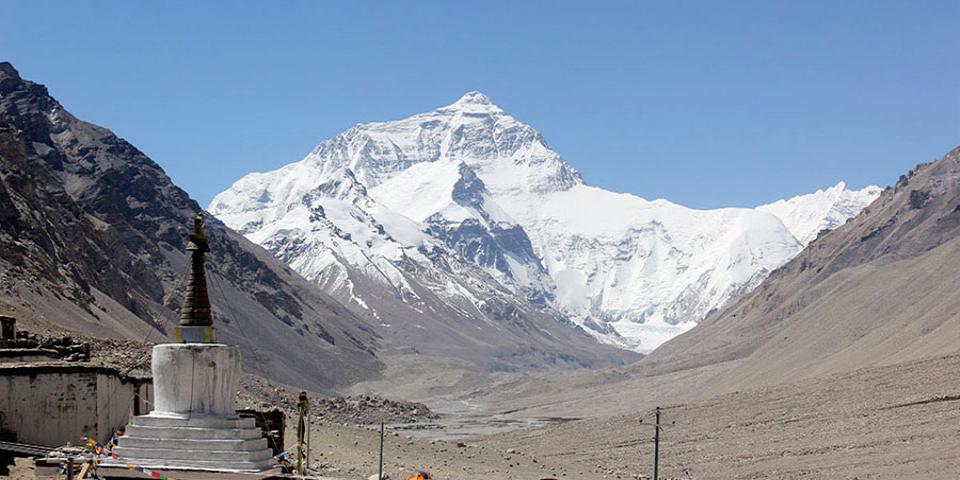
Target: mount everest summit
<point>462,219</point>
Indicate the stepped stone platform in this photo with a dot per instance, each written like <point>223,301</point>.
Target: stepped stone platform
<point>164,441</point>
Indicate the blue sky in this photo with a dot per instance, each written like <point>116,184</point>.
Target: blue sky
<point>707,104</point>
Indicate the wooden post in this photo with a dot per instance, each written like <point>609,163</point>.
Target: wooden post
<point>136,398</point>
<point>303,407</point>
<point>380,474</point>
<point>308,440</point>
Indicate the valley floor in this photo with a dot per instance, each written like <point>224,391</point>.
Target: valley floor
<point>900,421</point>
<point>891,422</point>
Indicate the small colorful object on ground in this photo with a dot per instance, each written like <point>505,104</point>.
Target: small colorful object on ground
<point>100,453</point>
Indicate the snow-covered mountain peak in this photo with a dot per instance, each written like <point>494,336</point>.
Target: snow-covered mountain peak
<point>807,215</point>
<point>474,104</point>
<point>466,198</point>
<point>473,97</point>
<point>508,154</point>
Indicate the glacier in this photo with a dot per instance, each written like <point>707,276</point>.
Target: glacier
<point>453,199</point>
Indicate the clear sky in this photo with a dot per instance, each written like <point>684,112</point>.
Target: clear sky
<point>707,104</point>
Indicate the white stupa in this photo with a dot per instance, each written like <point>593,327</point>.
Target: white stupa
<point>193,425</point>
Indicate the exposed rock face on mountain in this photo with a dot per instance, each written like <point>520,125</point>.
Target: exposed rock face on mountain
<point>879,290</point>
<point>435,286</point>
<point>470,207</point>
<point>92,237</point>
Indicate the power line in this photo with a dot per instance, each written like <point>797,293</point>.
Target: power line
<point>25,448</point>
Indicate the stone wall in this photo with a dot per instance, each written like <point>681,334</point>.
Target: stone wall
<point>52,404</point>
<point>26,355</point>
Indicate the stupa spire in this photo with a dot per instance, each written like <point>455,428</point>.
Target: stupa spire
<point>196,321</point>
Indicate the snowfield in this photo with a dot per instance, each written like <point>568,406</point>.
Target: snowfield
<point>413,202</point>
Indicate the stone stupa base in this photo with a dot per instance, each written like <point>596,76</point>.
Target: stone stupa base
<point>164,441</point>
<point>109,472</point>
<point>194,425</point>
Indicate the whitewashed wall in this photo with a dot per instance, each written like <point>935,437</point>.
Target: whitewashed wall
<point>51,405</point>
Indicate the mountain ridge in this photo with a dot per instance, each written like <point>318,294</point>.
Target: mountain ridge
<point>409,168</point>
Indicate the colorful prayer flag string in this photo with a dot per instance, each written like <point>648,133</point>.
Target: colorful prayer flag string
<point>102,453</point>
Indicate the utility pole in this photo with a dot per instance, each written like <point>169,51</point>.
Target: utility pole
<point>657,426</point>
<point>656,445</point>
<point>380,474</point>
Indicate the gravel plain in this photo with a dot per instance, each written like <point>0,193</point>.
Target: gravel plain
<point>891,422</point>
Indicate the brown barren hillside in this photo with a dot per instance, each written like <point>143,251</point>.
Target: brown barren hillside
<point>92,236</point>
<point>881,289</point>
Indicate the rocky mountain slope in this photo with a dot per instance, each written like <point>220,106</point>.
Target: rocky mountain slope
<point>91,239</point>
<point>470,207</point>
<point>879,290</point>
